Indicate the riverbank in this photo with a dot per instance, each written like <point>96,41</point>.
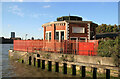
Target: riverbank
<point>17,55</point>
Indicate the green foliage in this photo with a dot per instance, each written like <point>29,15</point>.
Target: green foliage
<point>107,28</point>
<point>110,48</point>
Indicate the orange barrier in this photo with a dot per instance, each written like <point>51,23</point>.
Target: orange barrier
<point>66,46</point>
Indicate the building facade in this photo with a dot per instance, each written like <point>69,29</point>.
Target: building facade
<point>12,34</point>
<point>70,28</point>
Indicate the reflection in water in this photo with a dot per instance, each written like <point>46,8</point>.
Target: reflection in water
<point>12,68</point>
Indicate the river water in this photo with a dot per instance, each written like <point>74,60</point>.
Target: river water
<point>10,68</point>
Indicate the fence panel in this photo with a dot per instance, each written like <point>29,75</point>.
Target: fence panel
<point>66,46</point>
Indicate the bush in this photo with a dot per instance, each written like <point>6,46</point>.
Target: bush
<point>110,48</point>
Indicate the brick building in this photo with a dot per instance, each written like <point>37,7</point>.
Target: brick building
<point>70,28</point>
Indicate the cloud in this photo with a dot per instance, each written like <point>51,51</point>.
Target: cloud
<point>47,0</point>
<point>46,6</point>
<point>16,10</point>
<point>20,0</point>
<point>37,15</point>
<point>17,0</point>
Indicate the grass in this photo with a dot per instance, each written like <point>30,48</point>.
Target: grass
<point>20,60</point>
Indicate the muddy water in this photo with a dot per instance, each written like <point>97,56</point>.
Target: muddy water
<point>12,68</point>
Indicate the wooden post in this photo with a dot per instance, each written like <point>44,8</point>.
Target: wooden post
<point>34,61</point>
<point>30,60</point>
<point>107,73</point>
<point>73,69</point>
<point>49,65</point>
<point>38,55</point>
<point>38,61</point>
<point>94,73</point>
<point>83,71</point>
<point>56,67</point>
<point>22,61</point>
<point>43,64</point>
<point>64,68</point>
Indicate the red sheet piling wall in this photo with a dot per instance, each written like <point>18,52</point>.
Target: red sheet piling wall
<point>66,46</point>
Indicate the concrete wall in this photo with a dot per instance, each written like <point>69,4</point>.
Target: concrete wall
<point>79,58</point>
<point>65,57</point>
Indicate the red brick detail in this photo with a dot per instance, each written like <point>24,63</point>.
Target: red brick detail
<point>60,27</point>
<point>52,32</point>
<point>44,31</point>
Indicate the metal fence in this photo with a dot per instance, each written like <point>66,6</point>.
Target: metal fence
<point>65,46</point>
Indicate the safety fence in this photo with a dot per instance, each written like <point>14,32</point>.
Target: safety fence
<point>65,46</point>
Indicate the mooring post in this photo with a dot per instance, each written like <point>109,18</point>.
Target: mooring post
<point>56,67</point>
<point>83,71</point>
<point>94,73</point>
<point>30,60</point>
<point>38,55</point>
<point>73,69</point>
<point>34,61</point>
<point>22,61</point>
<point>64,68</point>
<point>38,61</point>
<point>43,64</point>
<point>49,65</point>
<point>107,73</point>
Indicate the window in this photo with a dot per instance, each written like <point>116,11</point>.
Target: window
<point>57,36</point>
<point>49,35</point>
<point>46,36</point>
<point>62,35</point>
<point>82,38</point>
<point>78,30</point>
<point>73,38</point>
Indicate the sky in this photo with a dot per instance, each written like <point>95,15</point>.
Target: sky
<point>27,17</point>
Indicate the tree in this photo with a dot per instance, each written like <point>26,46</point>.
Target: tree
<point>118,28</point>
<point>105,48</point>
<point>107,28</point>
<point>116,53</point>
<point>32,38</point>
<point>115,29</point>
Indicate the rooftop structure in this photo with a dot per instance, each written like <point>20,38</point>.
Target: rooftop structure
<point>76,18</point>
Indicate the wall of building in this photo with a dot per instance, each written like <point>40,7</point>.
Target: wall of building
<point>53,29</point>
<point>90,29</point>
<point>93,30</point>
<point>78,34</point>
